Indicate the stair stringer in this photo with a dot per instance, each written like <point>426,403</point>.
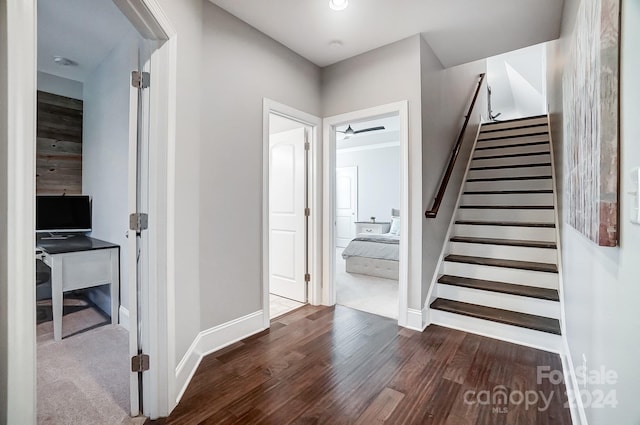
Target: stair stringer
<point>432,294</point>
<point>578,414</point>
<point>508,333</point>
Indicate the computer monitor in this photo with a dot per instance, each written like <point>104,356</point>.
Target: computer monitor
<point>67,213</point>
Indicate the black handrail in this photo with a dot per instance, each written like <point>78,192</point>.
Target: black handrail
<point>433,212</point>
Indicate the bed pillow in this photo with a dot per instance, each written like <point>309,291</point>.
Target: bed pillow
<point>395,226</point>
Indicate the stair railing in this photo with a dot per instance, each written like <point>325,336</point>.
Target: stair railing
<point>433,212</point>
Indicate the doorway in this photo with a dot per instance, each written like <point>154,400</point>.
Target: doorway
<point>93,128</point>
<point>366,248</point>
<point>367,203</point>
<point>290,226</point>
<point>20,57</point>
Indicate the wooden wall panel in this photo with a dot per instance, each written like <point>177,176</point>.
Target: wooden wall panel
<point>59,149</point>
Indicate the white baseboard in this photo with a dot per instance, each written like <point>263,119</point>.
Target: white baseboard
<point>578,415</point>
<point>417,319</point>
<point>123,317</point>
<point>214,339</point>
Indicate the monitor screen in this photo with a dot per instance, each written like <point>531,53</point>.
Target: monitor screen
<point>63,214</point>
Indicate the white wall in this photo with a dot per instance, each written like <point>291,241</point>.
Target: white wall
<point>518,82</point>
<point>61,86</point>
<point>446,96</point>
<point>378,179</point>
<point>17,217</point>
<point>186,18</point>
<point>105,153</point>
<point>242,66</point>
<point>601,285</point>
<point>388,74</point>
<point>4,185</point>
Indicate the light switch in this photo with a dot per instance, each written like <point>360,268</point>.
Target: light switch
<point>635,196</point>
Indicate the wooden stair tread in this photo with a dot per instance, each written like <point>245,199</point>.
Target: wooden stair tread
<point>507,192</point>
<point>502,167</point>
<point>513,145</point>
<point>523,320</point>
<point>515,136</point>
<point>498,179</point>
<point>506,242</point>
<point>507,207</point>
<point>511,264</point>
<point>505,223</point>
<point>511,155</point>
<point>501,287</point>
<point>519,127</point>
<point>533,117</point>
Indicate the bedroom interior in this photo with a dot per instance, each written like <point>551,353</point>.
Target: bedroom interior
<point>368,215</point>
<point>83,156</point>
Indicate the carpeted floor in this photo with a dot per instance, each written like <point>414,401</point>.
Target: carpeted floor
<point>84,378</point>
<point>366,293</point>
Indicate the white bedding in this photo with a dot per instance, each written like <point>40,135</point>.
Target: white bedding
<point>383,247</point>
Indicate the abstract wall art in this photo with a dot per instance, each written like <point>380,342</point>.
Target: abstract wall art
<point>591,129</point>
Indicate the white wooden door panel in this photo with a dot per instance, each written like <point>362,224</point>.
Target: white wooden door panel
<point>346,204</point>
<point>287,231</point>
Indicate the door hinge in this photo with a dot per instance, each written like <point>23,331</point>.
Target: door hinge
<point>140,363</point>
<point>138,221</point>
<point>307,146</point>
<point>307,277</point>
<point>307,212</point>
<point>140,80</point>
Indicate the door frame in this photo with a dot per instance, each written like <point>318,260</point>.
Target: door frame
<point>329,213</point>
<point>19,159</point>
<point>314,201</point>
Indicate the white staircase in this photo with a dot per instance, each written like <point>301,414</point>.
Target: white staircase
<point>499,273</point>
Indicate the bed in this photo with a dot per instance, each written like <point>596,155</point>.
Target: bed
<point>375,255</point>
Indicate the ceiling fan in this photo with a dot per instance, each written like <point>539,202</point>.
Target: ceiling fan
<point>349,132</point>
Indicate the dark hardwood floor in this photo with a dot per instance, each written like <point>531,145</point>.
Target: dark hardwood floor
<point>320,365</point>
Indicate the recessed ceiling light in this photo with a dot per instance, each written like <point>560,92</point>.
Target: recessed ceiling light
<point>62,61</point>
<point>335,44</point>
<point>338,4</point>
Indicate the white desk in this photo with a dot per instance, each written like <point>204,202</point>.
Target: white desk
<point>80,262</point>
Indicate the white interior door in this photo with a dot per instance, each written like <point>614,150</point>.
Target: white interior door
<point>132,248</point>
<point>346,204</point>
<point>138,195</point>
<point>287,222</point>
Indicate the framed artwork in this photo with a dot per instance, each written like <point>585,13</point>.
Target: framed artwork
<point>591,113</point>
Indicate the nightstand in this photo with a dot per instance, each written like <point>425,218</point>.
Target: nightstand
<point>377,228</point>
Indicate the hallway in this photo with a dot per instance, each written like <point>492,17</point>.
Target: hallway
<point>321,365</point>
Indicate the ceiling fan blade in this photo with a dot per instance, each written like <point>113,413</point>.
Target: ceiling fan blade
<point>369,129</point>
<point>349,131</point>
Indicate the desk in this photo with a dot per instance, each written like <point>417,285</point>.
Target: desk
<point>80,262</point>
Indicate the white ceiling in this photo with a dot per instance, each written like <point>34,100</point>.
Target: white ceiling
<point>84,31</point>
<point>459,31</point>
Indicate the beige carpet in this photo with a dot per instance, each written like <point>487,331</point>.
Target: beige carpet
<point>84,378</point>
<point>366,293</point>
